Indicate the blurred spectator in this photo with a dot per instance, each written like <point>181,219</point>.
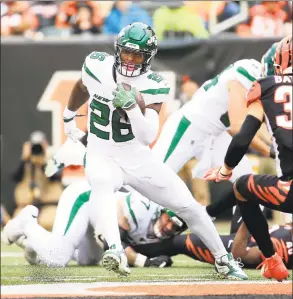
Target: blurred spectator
<point>266,19</point>
<point>230,9</point>
<point>188,89</point>
<point>32,186</point>
<point>46,12</point>
<point>17,18</point>
<point>69,9</point>
<point>124,13</point>
<point>30,176</point>
<point>4,216</point>
<point>223,9</point>
<point>177,20</point>
<point>83,21</point>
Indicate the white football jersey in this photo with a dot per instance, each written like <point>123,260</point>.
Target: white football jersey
<point>138,210</point>
<point>208,108</point>
<point>140,213</point>
<point>104,122</point>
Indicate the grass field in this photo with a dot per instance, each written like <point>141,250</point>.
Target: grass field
<point>185,279</point>
<point>15,270</point>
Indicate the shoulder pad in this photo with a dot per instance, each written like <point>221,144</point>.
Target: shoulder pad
<point>156,81</point>
<point>155,77</point>
<point>254,93</point>
<point>154,88</point>
<point>95,64</point>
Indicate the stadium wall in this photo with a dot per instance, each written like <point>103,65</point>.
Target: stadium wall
<point>27,67</point>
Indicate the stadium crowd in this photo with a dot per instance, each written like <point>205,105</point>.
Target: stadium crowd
<point>38,19</point>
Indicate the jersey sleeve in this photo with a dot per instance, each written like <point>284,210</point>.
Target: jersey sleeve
<point>254,93</point>
<point>247,71</point>
<point>91,70</point>
<point>155,90</point>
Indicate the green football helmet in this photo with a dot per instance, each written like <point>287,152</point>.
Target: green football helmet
<point>141,39</point>
<point>162,233</point>
<point>267,61</point>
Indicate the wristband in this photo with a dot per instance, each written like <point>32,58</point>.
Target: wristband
<point>140,260</point>
<point>68,114</point>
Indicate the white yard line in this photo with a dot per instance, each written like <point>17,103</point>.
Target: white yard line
<point>11,254</point>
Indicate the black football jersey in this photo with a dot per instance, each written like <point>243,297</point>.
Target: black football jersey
<point>281,237</point>
<point>276,98</point>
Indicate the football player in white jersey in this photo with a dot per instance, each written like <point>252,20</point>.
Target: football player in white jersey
<point>200,128</point>
<point>118,152</point>
<point>73,237</point>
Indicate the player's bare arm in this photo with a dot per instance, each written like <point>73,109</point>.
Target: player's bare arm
<point>157,107</point>
<point>237,112</point>
<point>239,247</point>
<point>78,96</point>
<point>241,141</point>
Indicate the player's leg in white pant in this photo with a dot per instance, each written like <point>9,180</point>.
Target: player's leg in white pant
<point>176,144</point>
<point>157,182</point>
<point>89,252</point>
<point>105,177</point>
<point>56,249</point>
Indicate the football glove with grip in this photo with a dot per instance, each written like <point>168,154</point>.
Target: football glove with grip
<point>214,174</point>
<point>71,129</point>
<point>123,98</point>
<point>161,261</point>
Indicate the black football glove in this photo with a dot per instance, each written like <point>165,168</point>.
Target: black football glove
<point>161,261</point>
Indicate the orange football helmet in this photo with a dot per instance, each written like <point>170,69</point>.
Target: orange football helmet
<point>283,56</point>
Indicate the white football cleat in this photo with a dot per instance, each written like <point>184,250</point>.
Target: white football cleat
<point>229,268</point>
<point>116,260</point>
<point>14,228</point>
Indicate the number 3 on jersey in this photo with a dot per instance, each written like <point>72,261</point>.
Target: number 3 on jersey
<point>283,95</point>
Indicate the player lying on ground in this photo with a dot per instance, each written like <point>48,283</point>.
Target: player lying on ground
<point>269,99</point>
<point>241,244</point>
<point>149,234</point>
<point>141,221</point>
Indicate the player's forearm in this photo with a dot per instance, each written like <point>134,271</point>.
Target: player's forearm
<point>144,127</point>
<point>241,141</point>
<point>240,242</point>
<point>78,96</point>
<point>135,259</point>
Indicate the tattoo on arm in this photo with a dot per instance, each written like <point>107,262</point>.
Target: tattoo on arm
<point>78,97</point>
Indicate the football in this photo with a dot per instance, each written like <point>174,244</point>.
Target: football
<point>139,100</point>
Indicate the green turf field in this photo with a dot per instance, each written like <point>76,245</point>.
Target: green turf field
<point>15,270</point>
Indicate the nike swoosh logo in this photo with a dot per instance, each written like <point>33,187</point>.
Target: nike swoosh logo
<point>34,216</point>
